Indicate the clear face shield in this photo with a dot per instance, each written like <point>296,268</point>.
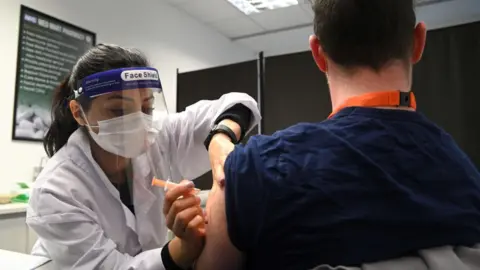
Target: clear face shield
<point>118,107</point>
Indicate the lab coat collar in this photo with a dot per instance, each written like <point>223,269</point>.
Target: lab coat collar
<point>142,194</point>
<point>81,141</point>
<point>143,197</point>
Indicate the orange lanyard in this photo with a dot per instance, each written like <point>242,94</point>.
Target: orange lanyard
<point>379,99</point>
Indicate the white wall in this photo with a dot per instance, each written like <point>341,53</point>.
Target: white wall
<point>435,16</point>
<point>170,38</point>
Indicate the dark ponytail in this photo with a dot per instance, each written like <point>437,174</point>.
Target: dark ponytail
<point>100,58</point>
<point>63,123</point>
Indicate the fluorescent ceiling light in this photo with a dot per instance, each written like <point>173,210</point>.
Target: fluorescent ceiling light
<point>256,6</point>
<point>428,2</point>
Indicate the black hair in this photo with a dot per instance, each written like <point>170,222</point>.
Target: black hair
<point>365,33</point>
<point>99,58</point>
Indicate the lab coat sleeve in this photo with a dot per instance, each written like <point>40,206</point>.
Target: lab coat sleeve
<point>189,129</point>
<point>74,240</point>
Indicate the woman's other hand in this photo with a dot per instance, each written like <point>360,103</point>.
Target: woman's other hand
<point>218,151</point>
<point>185,218</point>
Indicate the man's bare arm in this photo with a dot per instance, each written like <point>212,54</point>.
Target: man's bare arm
<point>219,253</point>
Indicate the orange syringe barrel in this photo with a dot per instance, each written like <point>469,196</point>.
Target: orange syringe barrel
<point>169,185</point>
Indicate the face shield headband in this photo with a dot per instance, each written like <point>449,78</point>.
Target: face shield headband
<point>126,135</point>
<point>118,80</point>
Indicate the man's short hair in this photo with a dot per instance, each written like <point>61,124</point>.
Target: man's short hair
<point>365,33</point>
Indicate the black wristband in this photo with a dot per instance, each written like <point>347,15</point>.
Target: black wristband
<point>223,130</point>
<point>167,260</point>
<point>237,119</point>
<point>239,114</point>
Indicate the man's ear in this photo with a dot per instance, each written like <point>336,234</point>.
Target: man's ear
<point>77,112</point>
<point>317,53</point>
<point>419,40</point>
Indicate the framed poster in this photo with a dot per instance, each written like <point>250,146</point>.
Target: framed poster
<point>48,49</point>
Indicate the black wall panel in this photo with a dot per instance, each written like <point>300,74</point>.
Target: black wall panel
<point>211,84</point>
<point>295,91</point>
<point>446,84</point>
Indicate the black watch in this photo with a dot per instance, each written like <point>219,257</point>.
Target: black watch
<point>223,130</point>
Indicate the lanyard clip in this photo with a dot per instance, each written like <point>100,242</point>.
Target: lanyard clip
<point>405,100</point>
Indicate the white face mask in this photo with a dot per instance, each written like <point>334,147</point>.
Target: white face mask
<point>128,136</point>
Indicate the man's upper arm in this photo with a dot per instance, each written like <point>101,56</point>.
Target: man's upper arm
<point>234,210</point>
<point>219,252</point>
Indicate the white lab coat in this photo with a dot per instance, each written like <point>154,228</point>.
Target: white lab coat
<point>78,215</point>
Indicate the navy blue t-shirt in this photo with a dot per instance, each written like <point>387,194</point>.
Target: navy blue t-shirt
<point>367,185</point>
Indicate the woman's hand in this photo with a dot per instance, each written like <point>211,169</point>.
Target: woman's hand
<point>185,219</point>
<point>218,151</point>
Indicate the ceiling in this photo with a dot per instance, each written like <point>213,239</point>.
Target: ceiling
<point>232,23</point>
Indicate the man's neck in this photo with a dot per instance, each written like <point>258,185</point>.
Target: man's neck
<point>344,86</point>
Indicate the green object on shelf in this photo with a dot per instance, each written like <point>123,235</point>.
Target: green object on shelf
<point>22,198</point>
<point>22,185</point>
